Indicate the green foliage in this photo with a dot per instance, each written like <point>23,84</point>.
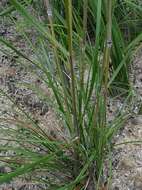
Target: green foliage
<point>11,8</point>
<point>78,71</point>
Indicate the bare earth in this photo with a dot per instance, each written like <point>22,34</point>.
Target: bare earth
<point>126,158</point>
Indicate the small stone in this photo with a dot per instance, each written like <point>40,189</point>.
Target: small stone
<point>134,121</point>
<point>5,169</point>
<point>138,182</point>
<point>2,169</point>
<point>127,164</point>
<point>137,120</point>
<point>116,188</point>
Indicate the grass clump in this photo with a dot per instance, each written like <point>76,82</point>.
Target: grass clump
<point>75,64</point>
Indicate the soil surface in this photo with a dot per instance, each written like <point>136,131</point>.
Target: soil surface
<point>126,158</point>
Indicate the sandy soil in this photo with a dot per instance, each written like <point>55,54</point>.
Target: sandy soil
<point>127,158</point>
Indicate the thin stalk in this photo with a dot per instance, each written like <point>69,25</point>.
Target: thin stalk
<point>107,50</point>
<point>97,43</point>
<point>82,67</point>
<point>68,7</point>
<point>85,9</point>
<point>50,19</point>
<point>97,46</point>
<point>104,90</point>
